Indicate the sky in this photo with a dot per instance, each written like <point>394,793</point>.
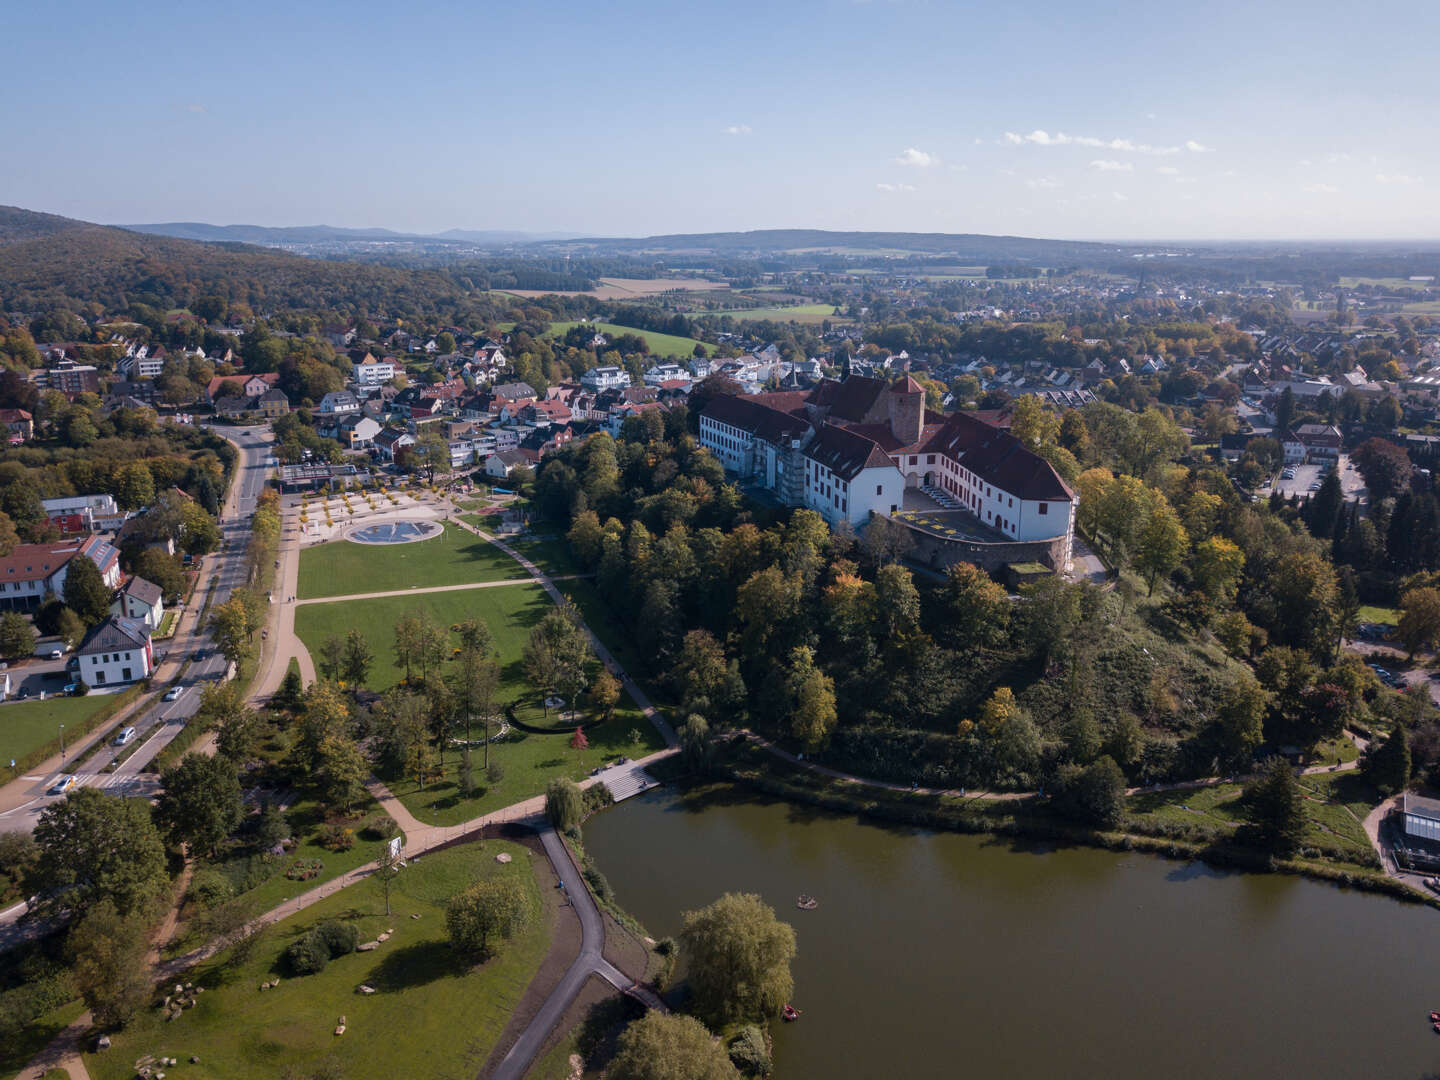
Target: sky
<point>1112,120</point>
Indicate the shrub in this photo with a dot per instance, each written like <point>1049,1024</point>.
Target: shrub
<point>309,954</point>
<point>599,884</point>
<point>340,937</point>
<point>564,803</point>
<point>748,1053</point>
<point>380,827</point>
<point>494,772</point>
<point>209,888</point>
<point>81,688</point>
<point>597,797</point>
<point>337,837</point>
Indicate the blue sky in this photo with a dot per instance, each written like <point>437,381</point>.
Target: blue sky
<point>1110,121</point>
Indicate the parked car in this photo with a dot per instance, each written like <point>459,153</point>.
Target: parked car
<point>63,786</point>
<point>71,689</point>
<point>56,654</point>
<point>173,694</point>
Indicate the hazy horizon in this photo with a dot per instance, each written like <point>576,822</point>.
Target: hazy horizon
<point>1227,122</point>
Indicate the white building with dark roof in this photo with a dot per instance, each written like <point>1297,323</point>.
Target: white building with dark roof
<point>141,600</point>
<point>116,651</point>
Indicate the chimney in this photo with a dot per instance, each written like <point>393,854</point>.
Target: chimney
<point>907,411</point>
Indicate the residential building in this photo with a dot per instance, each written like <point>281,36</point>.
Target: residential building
<point>84,513</point>
<point>31,571</point>
<point>19,426</point>
<point>252,386</point>
<point>503,463</point>
<point>389,443</point>
<point>273,403</point>
<point>372,372</point>
<point>140,600</point>
<point>338,403</point>
<point>663,373</point>
<point>116,651</point>
<point>605,378</point>
<point>140,366</point>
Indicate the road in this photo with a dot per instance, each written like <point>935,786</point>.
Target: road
<point>25,798</point>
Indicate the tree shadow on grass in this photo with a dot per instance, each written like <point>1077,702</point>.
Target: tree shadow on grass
<point>415,965</point>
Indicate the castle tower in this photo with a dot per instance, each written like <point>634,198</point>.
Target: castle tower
<point>907,411</point>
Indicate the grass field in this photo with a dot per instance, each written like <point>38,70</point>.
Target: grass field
<point>1386,283</point>
<point>509,610</point>
<point>433,1015</point>
<point>1376,614</point>
<point>24,725</point>
<point>551,554</point>
<point>810,314</point>
<point>660,344</point>
<point>340,567</point>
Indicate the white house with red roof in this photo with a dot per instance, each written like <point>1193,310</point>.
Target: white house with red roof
<point>31,571</point>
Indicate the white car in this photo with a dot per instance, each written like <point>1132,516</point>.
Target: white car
<point>174,693</point>
<point>64,785</point>
<point>56,654</point>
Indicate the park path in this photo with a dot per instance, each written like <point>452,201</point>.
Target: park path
<point>415,591</point>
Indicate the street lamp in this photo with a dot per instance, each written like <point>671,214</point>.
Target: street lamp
<point>62,742</point>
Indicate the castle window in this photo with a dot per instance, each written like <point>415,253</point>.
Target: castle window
<point>1044,508</point>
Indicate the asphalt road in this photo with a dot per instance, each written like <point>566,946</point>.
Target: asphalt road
<point>165,719</point>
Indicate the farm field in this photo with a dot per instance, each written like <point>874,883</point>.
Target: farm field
<point>628,288</point>
<point>660,344</point>
<point>509,610</point>
<point>433,1014</point>
<point>800,313</point>
<point>24,725</point>
<point>1386,283</point>
<point>339,567</point>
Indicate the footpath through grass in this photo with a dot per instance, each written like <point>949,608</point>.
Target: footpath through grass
<point>434,1014</point>
<point>25,725</point>
<point>509,610</point>
<point>339,568</point>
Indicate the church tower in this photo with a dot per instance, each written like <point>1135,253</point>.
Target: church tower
<point>907,411</point>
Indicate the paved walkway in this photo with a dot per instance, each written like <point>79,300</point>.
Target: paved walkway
<point>414,591</point>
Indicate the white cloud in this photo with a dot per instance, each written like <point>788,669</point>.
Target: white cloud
<point>918,158</point>
<point>1321,189</point>
<point>1040,137</point>
<point>1119,197</point>
<point>1042,183</point>
<point>1168,170</point>
<point>1337,157</point>
<point>1112,166</point>
<point>738,129</point>
<point>1398,178</point>
<point>894,187</point>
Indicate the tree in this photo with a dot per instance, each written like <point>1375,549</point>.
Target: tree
<point>1094,793</point>
<point>85,591</point>
<point>557,654</point>
<point>431,454</point>
<point>1387,765</point>
<point>605,693</point>
<point>17,637</point>
<point>1162,543</point>
<point>200,802</point>
<point>134,486</point>
<point>70,627</point>
<point>812,700</point>
<point>564,803</point>
<point>343,770</point>
<point>738,955</point>
<point>388,865</point>
<point>1033,423</point>
<point>1385,467</point>
<point>474,680</point>
<point>1216,568</point>
<point>675,1047</point>
<point>407,641</point>
<point>230,626</point>
<point>330,658</point>
<point>158,566</point>
<point>1419,618</point>
<point>974,610</point>
<point>356,659</point>
<point>107,963</point>
<point>488,910</point>
<point>9,538</point>
<point>93,845</point>
<point>1277,807</point>
<point>697,744</point>
<point>1241,719</point>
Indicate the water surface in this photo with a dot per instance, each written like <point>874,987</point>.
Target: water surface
<point>936,954</point>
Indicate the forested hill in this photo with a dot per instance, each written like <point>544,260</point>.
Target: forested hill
<point>47,260</point>
<point>961,245</point>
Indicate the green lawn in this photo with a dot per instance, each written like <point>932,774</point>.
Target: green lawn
<point>16,1052</point>
<point>551,554</point>
<point>529,763</point>
<point>660,344</point>
<point>25,725</point>
<point>456,556</point>
<point>1374,613</point>
<point>509,610</point>
<point>434,1015</point>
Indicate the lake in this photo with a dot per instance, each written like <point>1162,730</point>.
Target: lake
<point>941,955</point>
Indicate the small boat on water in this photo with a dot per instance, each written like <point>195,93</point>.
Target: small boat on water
<point>806,903</point>
<point>1435,1017</point>
<point>790,1013</point>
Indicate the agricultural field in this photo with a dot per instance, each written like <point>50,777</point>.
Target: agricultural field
<point>629,288</point>
<point>660,344</point>
<point>339,567</point>
<point>433,1013</point>
<point>1386,283</point>
<point>509,610</point>
<point>809,314</point>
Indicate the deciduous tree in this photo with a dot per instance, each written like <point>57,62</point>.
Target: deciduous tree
<point>738,955</point>
<point>485,913</point>
<point>661,1047</point>
<point>93,845</point>
<point>199,802</point>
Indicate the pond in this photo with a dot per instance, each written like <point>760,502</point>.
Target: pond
<point>936,954</point>
<point>395,532</point>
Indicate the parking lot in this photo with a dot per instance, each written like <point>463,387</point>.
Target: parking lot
<point>35,675</point>
<point>1351,482</point>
